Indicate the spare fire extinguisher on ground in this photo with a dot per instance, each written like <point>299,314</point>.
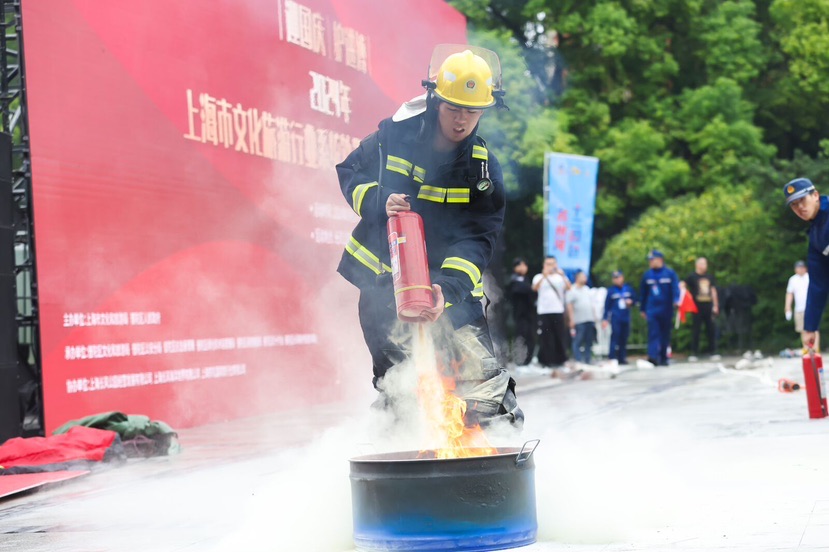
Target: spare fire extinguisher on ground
<point>815,384</point>
<point>409,266</point>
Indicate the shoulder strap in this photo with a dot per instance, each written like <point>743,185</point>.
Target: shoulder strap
<point>555,289</point>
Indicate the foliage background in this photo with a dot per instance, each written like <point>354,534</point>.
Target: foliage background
<point>699,111</point>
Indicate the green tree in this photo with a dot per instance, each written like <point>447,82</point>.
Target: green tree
<point>698,110</point>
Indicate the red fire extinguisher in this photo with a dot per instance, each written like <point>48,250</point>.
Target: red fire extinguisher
<point>815,385</point>
<point>409,266</point>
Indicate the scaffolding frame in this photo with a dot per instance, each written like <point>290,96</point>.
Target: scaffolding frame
<point>14,121</point>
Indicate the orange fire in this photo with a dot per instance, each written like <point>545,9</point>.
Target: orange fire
<point>444,412</point>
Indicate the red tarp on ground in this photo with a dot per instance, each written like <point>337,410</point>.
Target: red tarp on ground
<point>13,484</point>
<point>79,443</point>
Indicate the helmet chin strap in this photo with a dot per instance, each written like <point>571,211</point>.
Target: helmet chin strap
<point>499,99</point>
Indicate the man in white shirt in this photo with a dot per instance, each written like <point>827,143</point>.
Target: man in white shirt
<point>582,314</point>
<point>797,290</point>
<point>551,285</point>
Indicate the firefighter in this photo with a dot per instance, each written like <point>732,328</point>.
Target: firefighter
<point>804,199</point>
<point>659,294</point>
<point>428,158</point>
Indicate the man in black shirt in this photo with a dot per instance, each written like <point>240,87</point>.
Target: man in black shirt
<point>522,299</point>
<point>702,288</point>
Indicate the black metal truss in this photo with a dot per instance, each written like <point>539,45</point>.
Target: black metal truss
<point>14,120</point>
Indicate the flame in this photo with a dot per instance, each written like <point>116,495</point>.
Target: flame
<point>443,411</point>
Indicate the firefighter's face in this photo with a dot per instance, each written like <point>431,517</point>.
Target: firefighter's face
<point>456,123</point>
<point>806,207</point>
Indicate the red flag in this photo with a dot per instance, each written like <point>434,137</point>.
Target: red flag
<point>686,304</point>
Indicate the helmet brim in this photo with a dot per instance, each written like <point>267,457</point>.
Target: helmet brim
<point>470,105</point>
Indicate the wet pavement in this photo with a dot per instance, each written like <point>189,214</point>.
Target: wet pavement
<point>692,457</point>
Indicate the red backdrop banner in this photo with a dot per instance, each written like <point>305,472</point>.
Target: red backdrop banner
<point>187,214</point>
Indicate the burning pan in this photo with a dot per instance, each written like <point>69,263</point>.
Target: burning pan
<point>402,502</point>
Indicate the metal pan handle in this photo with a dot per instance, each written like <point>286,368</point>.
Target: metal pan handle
<point>526,451</point>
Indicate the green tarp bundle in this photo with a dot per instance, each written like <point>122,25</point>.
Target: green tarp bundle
<point>140,435</point>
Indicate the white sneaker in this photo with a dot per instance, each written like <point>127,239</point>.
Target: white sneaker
<point>747,355</point>
<point>692,358</point>
<point>643,364</point>
<point>758,354</point>
<point>715,357</point>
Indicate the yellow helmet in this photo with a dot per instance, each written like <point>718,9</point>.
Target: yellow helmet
<point>467,76</point>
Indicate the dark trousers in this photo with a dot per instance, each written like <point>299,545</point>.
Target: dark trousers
<point>619,333</point>
<point>552,349</point>
<point>524,343</point>
<point>583,342</point>
<point>704,316</point>
<point>659,337</point>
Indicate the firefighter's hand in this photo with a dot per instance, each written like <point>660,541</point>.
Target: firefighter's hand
<point>434,313</point>
<point>397,203</point>
<point>604,324</point>
<point>644,315</point>
<point>808,339</point>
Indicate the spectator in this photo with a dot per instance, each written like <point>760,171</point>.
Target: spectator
<point>522,300</point>
<point>659,294</point>
<point>619,299</point>
<point>738,303</point>
<point>796,291</point>
<point>703,289</point>
<point>551,285</point>
<point>582,318</point>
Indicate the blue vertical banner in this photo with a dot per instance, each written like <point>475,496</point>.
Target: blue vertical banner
<point>569,208</point>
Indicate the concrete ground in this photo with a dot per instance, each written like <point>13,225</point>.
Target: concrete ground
<point>689,458</point>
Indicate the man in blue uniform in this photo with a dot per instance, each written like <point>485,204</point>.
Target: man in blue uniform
<point>659,293</point>
<point>617,313</point>
<point>429,159</point>
<point>803,198</point>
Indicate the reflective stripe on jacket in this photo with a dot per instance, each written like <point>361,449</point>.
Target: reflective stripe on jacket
<point>461,227</point>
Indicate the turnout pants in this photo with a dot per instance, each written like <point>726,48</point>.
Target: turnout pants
<point>465,354</point>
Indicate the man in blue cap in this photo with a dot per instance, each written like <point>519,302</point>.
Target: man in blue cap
<point>617,305</point>
<point>659,294</point>
<point>803,198</point>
